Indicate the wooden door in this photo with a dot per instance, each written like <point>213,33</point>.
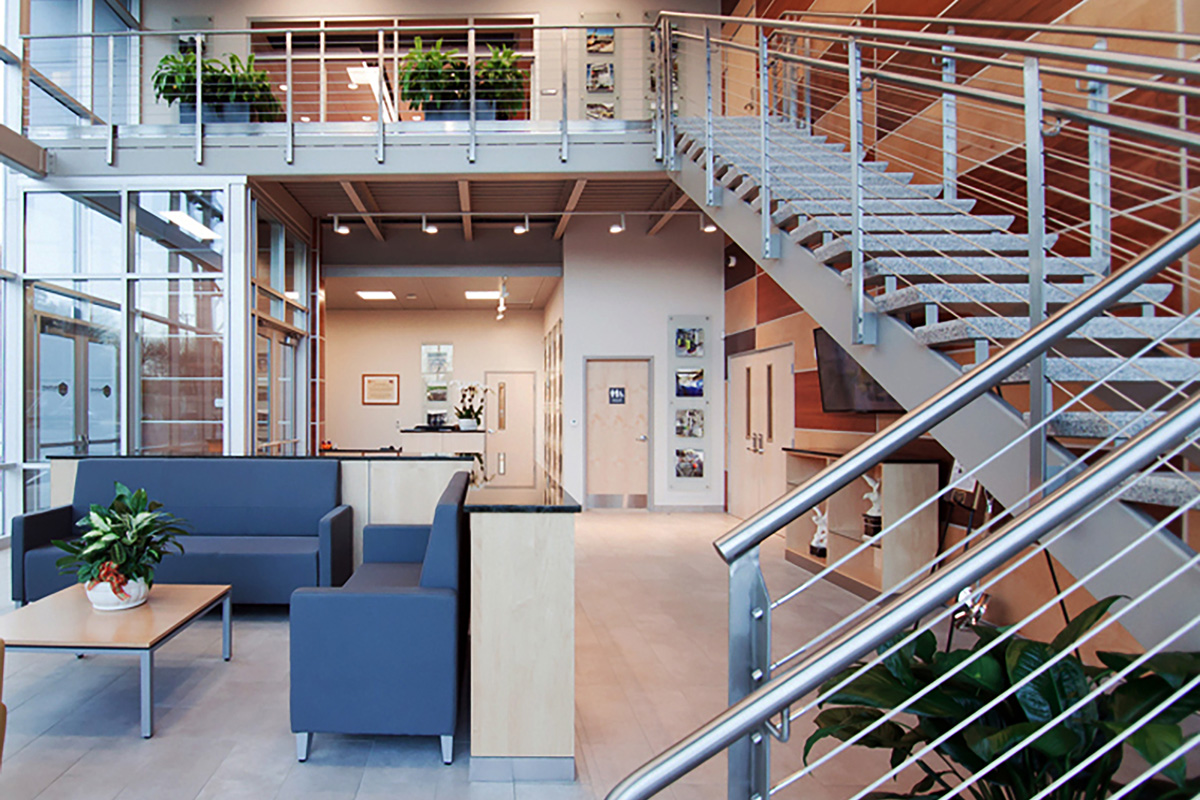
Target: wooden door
<point>741,444</point>
<point>509,418</point>
<point>761,407</point>
<point>778,392</point>
<point>618,433</point>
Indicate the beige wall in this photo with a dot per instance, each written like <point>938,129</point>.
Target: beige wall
<point>390,342</point>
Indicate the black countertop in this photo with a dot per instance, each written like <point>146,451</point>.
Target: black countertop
<point>439,430</point>
<point>547,497</point>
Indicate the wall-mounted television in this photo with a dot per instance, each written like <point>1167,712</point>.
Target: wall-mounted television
<point>845,385</point>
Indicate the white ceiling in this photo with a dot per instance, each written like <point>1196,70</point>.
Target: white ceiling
<point>437,294</point>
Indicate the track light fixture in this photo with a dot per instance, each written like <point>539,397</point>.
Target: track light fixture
<point>707,225</point>
<point>340,227</point>
<point>522,227</point>
<point>617,227</point>
<point>427,226</point>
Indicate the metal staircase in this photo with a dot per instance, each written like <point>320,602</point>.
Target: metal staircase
<point>1032,312</point>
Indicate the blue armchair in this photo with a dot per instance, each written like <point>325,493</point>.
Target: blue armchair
<point>382,654</point>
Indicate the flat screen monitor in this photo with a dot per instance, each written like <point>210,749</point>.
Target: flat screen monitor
<point>845,385</point>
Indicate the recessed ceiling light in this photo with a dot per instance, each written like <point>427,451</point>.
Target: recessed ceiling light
<point>418,117</point>
<point>306,119</point>
<point>352,86</point>
<point>283,87</point>
<point>196,228</point>
<point>369,295</point>
<point>366,117</point>
<point>490,294</point>
<point>410,296</point>
<point>292,295</point>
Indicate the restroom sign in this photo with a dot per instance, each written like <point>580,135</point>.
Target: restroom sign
<point>616,395</point>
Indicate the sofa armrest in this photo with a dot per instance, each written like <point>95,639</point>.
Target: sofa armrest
<point>335,550</point>
<point>378,661</point>
<point>395,544</point>
<point>34,530</point>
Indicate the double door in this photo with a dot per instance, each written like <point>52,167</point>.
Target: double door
<point>761,407</point>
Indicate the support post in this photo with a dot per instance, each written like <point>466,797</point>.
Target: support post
<point>1035,176</point>
<point>656,43</point>
<point>111,145</point>
<point>949,125</point>
<point>749,669</point>
<point>379,140</point>
<point>807,86</point>
<point>863,323</point>
<point>473,114</point>
<point>290,150</point>
<point>199,41</point>
<point>770,237</point>
<point>324,79</point>
<point>562,149</point>
<point>669,95</point>
<point>711,192</point>
<point>1099,175</point>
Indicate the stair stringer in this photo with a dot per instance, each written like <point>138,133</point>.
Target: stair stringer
<point>912,372</point>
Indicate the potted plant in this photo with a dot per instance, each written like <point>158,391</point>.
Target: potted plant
<point>233,92</point>
<point>500,84</point>
<point>982,742</point>
<point>115,557</point>
<point>470,406</point>
<point>433,80</point>
<point>246,92</point>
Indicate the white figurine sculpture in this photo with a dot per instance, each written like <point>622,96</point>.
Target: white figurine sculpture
<point>872,497</point>
<point>821,536</point>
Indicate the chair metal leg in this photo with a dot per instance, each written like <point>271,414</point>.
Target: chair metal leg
<point>303,743</point>
<point>447,749</point>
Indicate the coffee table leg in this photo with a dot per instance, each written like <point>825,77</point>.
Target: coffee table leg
<point>227,627</point>
<point>147,694</point>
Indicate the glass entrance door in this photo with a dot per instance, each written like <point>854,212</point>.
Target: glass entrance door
<point>275,393</point>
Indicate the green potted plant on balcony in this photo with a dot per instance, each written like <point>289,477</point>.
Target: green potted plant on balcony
<point>939,716</point>
<point>434,81</point>
<point>233,92</point>
<point>120,546</point>
<point>246,92</point>
<point>500,83</point>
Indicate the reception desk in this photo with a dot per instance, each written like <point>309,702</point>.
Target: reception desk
<point>522,633</point>
<point>447,440</point>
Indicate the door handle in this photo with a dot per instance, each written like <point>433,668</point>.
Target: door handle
<point>642,438</point>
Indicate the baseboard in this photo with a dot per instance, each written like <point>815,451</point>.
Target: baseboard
<point>688,509</point>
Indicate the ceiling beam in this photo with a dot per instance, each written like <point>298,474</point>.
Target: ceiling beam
<point>572,201</point>
<point>464,205</point>
<point>360,197</point>
<point>666,217</point>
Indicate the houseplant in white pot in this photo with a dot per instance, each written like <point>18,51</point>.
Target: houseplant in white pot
<point>120,546</point>
<point>470,406</point>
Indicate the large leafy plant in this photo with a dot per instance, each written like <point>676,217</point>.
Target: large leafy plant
<point>224,82</point>
<point>431,78</point>
<point>499,79</point>
<point>128,539</point>
<point>1017,719</point>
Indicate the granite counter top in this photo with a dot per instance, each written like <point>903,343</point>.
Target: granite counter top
<point>546,497</point>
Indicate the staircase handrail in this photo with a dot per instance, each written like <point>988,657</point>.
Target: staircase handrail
<point>751,712</point>
<point>961,392</point>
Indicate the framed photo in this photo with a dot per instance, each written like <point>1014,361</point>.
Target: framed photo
<point>381,390</point>
<point>689,383</point>
<point>689,463</point>
<point>689,423</point>
<point>601,40</point>
<point>436,390</point>
<point>689,342</point>
<point>437,359</point>
<point>601,77</point>
<point>601,111</point>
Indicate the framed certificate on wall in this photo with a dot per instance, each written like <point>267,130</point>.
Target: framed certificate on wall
<point>381,390</point>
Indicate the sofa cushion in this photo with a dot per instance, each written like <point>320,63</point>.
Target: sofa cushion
<point>222,496</point>
<point>369,577</point>
<point>262,569</point>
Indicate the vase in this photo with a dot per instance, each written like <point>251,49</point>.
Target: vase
<point>467,424</point>
<point>103,597</point>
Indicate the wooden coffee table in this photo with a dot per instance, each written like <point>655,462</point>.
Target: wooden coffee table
<point>66,621</point>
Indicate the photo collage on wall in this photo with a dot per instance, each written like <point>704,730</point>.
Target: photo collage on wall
<point>600,73</point>
<point>691,370</point>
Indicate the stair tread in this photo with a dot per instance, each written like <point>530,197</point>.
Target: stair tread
<point>1132,370</point>
<point>1101,328</point>
<point>910,223</point>
<point>911,297</point>
<point>887,206</point>
<point>1101,424</point>
<point>991,266</point>
<point>999,243</point>
<point>1163,489</point>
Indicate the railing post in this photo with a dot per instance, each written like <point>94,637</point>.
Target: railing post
<point>321,112</point>
<point>770,238</point>
<point>1099,177</point>
<point>111,148</point>
<point>749,669</point>
<point>787,80</point>
<point>471,111</point>
<point>379,132</point>
<point>199,40</point>
<point>656,45</point>
<point>669,96</point>
<point>562,149</point>
<point>711,193</point>
<point>1035,176</point>
<point>290,150</point>
<point>863,323</point>
<point>949,126</point>
<point>807,85</point>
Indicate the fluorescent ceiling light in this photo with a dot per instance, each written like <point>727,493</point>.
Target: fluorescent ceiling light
<point>197,229</point>
<point>368,295</point>
<point>292,295</point>
<point>491,294</point>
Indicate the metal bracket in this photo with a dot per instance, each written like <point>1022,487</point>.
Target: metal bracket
<point>783,731</point>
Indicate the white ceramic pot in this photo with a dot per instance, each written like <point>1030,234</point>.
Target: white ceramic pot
<point>105,599</point>
<point>467,424</point>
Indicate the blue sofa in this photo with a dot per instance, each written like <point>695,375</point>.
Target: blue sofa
<point>264,525</point>
<point>382,654</point>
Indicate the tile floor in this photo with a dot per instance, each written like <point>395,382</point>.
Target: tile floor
<point>651,649</point>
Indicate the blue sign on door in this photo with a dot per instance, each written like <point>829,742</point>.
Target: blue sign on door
<point>616,395</point>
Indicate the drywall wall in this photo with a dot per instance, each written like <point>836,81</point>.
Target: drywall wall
<point>389,342</point>
<point>618,293</point>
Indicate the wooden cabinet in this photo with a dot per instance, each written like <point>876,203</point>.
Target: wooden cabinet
<point>912,543</point>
